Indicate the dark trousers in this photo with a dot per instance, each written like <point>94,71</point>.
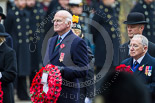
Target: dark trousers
<point>22,88</point>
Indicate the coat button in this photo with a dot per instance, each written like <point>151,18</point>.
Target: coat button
<point>30,31</point>
<point>149,34</point>
<point>144,6</point>
<point>27,33</point>
<point>27,19</point>
<point>27,40</point>
<point>109,16</point>
<point>16,13</point>
<point>17,20</point>
<point>35,11</point>
<point>18,27</point>
<point>20,41</point>
<point>110,22</point>
<point>113,36</point>
<point>19,34</point>
<point>106,10</point>
<point>101,6</point>
<point>112,29</point>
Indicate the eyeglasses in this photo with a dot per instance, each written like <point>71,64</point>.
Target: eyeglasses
<point>57,21</point>
<point>134,46</point>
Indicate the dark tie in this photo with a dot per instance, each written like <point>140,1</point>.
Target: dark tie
<point>57,44</point>
<point>135,65</point>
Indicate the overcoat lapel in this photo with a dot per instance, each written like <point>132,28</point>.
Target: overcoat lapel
<point>55,53</point>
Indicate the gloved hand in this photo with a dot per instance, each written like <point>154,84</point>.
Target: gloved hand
<point>61,69</point>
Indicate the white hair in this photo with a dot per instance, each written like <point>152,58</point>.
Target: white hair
<point>68,16</point>
<point>144,40</point>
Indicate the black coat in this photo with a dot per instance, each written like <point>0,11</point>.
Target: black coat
<point>36,15</point>
<point>148,80</point>
<point>148,11</point>
<point>8,69</point>
<point>124,51</point>
<point>107,17</point>
<point>16,24</point>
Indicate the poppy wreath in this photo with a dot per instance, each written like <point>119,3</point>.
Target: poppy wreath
<point>1,93</point>
<point>54,83</point>
<point>124,68</point>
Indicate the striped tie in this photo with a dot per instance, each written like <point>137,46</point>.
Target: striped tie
<point>57,44</point>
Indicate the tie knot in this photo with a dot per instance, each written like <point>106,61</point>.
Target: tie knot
<point>59,38</point>
<point>135,63</point>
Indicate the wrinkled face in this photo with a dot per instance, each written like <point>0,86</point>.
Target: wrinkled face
<point>76,10</point>
<point>30,3</point>
<point>76,31</point>
<point>137,50</point>
<point>134,29</point>
<point>60,25</point>
<point>21,3</point>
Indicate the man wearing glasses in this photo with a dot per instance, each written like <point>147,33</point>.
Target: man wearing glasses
<point>142,64</point>
<point>135,25</point>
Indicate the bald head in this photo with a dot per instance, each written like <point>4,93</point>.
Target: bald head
<point>62,22</point>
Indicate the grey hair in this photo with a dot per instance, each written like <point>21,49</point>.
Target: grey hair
<point>144,40</point>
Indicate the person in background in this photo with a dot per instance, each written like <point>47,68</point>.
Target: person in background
<point>135,25</point>
<point>36,15</point>
<point>107,16</point>
<point>76,7</point>
<point>9,40</point>
<point>142,64</point>
<point>86,93</point>
<point>16,23</point>
<point>45,4</point>
<point>8,67</point>
<point>147,7</point>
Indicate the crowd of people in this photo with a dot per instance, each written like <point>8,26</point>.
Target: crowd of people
<point>82,38</point>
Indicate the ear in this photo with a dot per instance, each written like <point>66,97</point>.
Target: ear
<point>145,48</point>
<point>69,24</point>
<point>142,27</point>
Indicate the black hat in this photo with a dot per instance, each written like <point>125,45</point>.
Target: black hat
<point>2,31</point>
<point>135,18</point>
<point>1,13</point>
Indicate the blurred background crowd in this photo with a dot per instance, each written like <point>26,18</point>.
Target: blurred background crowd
<point>29,23</point>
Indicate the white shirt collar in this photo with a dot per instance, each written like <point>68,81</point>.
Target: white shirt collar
<point>64,35</point>
<point>139,60</point>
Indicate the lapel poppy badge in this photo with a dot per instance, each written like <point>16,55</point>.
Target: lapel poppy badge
<point>62,46</point>
<point>141,68</point>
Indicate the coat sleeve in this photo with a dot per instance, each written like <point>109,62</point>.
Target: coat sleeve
<point>10,69</point>
<point>79,57</point>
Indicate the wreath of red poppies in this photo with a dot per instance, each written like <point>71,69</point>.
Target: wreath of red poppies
<point>1,93</point>
<point>54,83</point>
<point>124,68</point>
